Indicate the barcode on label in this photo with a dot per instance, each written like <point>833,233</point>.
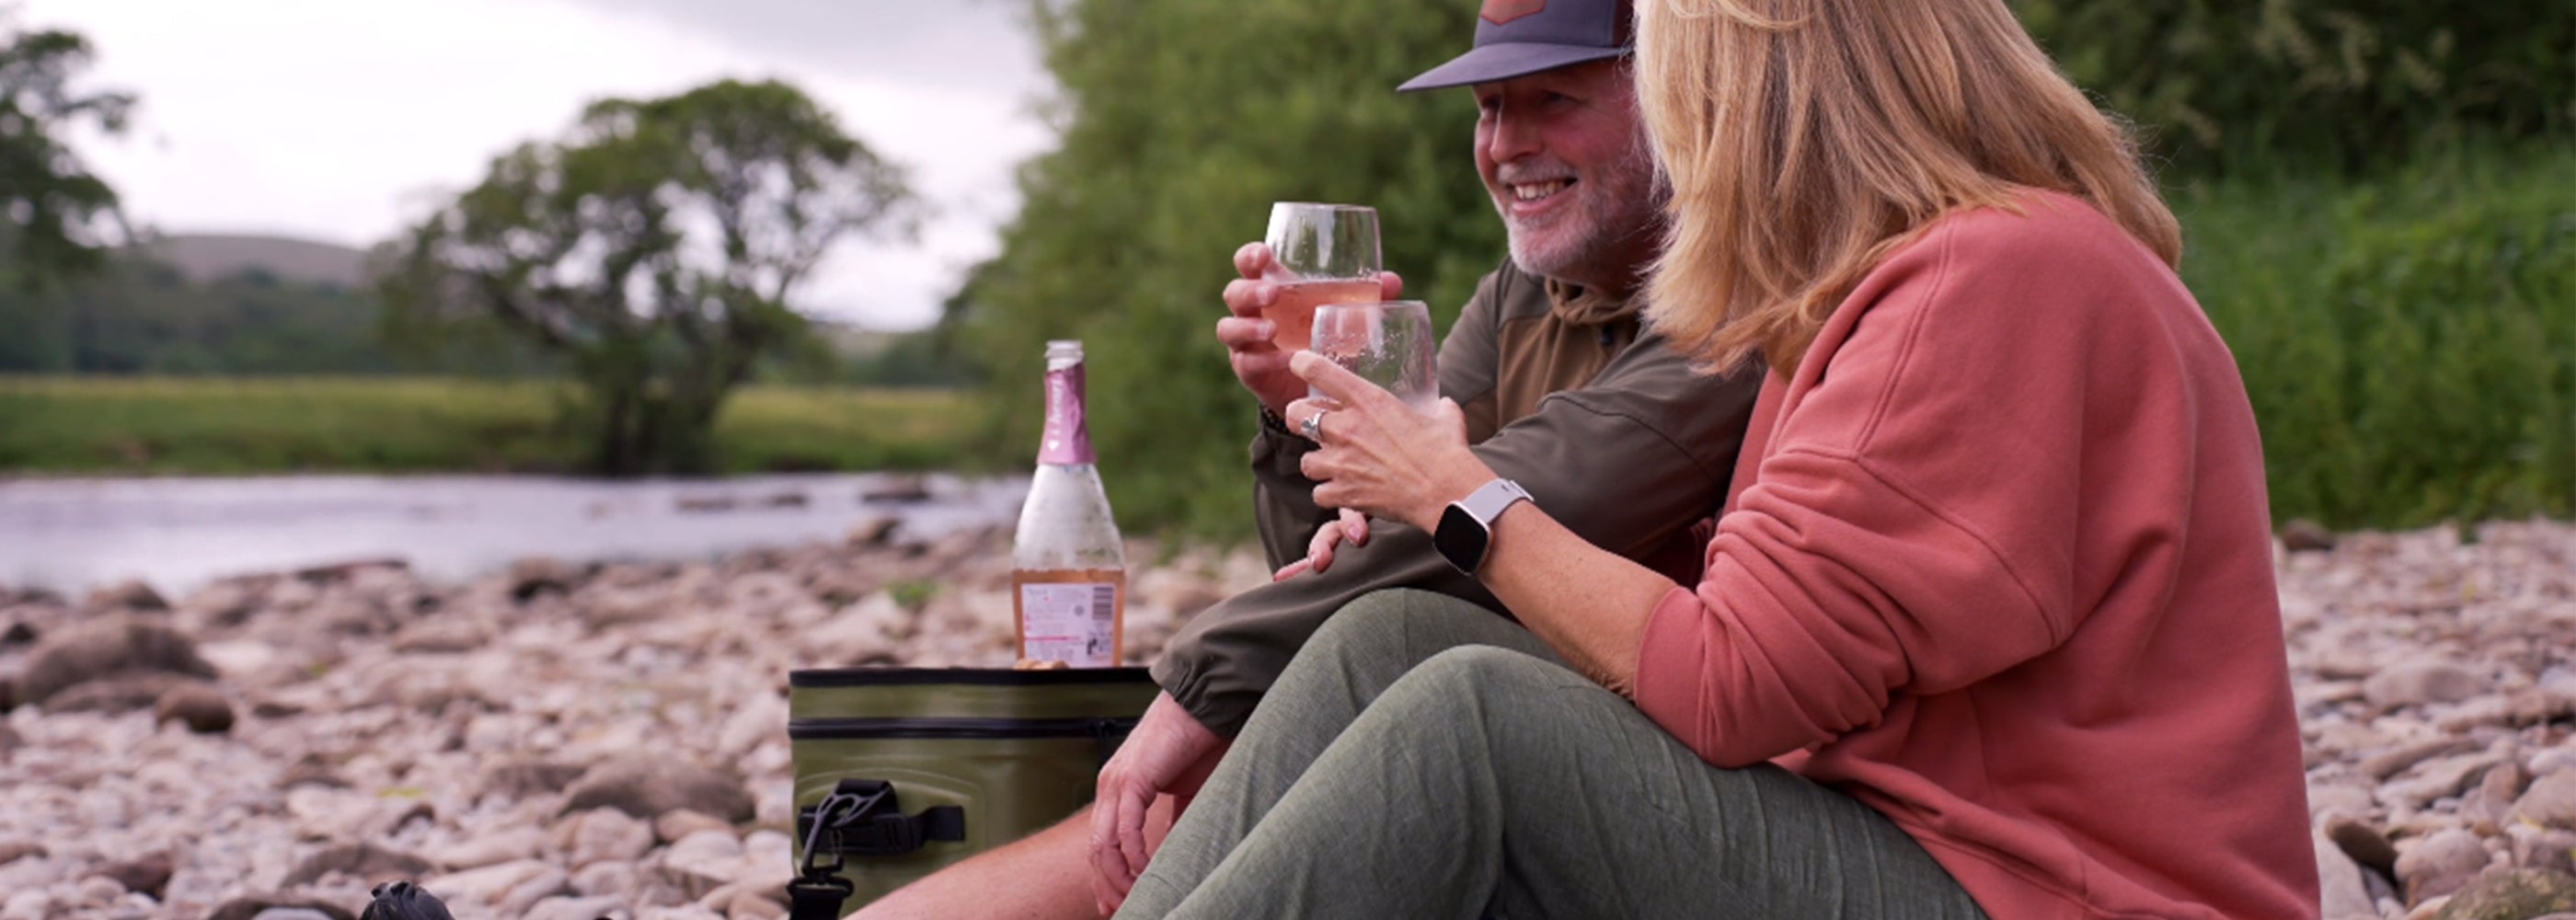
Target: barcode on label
<point>1104,603</point>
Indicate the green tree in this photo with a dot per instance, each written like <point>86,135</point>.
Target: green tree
<point>56,218</point>
<point>654,248</point>
<point>1181,121</point>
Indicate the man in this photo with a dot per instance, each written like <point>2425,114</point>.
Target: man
<point>1608,429</point>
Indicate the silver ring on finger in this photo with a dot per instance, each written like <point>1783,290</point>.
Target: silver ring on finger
<point>1313,426</point>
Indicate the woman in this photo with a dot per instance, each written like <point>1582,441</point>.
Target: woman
<point>1989,628</point>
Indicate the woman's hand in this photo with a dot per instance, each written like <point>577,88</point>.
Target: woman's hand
<point>1378,455</point>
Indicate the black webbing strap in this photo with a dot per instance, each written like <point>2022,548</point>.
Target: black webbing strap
<point>860,818</point>
<point>817,898</point>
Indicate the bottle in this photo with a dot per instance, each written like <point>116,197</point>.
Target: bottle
<point>1068,568</point>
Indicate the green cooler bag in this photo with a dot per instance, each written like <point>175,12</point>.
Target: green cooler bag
<point>902,771</point>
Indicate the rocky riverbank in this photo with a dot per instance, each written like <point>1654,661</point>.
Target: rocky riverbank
<point>570,741</point>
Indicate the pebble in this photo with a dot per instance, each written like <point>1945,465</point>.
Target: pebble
<point>578,740</point>
<point>2440,864</point>
<point>200,707</point>
<point>2419,682</point>
<point>2344,894</point>
<point>2550,802</point>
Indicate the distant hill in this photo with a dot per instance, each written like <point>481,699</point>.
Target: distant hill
<point>208,257</point>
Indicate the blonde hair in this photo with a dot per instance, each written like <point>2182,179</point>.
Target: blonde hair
<point>1804,139</point>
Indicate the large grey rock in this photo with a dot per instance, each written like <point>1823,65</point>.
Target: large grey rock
<point>200,707</point>
<point>550,883</point>
<point>2301,535</point>
<point>605,879</point>
<point>572,908</point>
<point>108,647</point>
<point>444,636</point>
<point>651,785</point>
<point>605,835</point>
<point>2553,850</point>
<point>2415,683</point>
<point>2363,842</point>
<point>2340,884</point>
<point>28,905</point>
<point>118,694</point>
<point>2439,778</point>
<point>147,875</point>
<point>365,862</point>
<point>490,849</point>
<point>528,777</point>
<point>125,596</point>
<point>2550,802</point>
<point>223,603</point>
<point>752,905</point>
<point>672,826</point>
<point>2440,864</point>
<point>486,885</point>
<point>2512,894</point>
<point>536,574</point>
<point>2395,760</point>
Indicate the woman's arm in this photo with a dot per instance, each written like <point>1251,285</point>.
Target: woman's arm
<point>1380,456</point>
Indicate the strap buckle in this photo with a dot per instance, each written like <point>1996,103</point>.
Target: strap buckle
<point>861,817</point>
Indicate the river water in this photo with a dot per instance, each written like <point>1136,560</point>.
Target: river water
<point>177,533</point>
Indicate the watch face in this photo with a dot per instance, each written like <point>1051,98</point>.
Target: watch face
<point>1460,539</point>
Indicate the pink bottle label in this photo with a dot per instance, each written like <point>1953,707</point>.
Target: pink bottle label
<point>1068,438</point>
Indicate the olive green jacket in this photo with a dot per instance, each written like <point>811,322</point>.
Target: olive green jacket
<point>1612,433</point>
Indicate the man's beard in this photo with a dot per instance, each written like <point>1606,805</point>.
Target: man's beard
<point>1614,208</point>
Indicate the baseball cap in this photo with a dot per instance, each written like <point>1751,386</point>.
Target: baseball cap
<point>1516,38</point>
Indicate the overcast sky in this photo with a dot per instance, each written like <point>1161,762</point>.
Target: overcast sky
<point>340,120</point>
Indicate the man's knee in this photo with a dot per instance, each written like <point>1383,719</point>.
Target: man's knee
<point>1388,621</point>
<point>1426,621</point>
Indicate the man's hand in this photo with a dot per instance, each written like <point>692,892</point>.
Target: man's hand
<point>1169,753</point>
<point>1352,527</point>
<point>1261,365</point>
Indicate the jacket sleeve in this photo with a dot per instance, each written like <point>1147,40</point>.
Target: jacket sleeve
<point>1629,461</point>
<point>1910,531</point>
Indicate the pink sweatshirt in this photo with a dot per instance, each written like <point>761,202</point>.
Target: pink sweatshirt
<point>2003,572</point>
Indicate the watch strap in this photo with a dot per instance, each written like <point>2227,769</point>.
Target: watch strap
<point>1489,500</point>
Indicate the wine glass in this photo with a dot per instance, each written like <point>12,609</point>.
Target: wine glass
<point>1386,343</point>
<point>1326,253</point>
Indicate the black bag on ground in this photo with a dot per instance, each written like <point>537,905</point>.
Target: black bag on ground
<point>902,771</point>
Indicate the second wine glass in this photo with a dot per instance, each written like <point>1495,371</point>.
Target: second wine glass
<point>1389,344</point>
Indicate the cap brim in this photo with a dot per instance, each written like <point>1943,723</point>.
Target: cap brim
<point>1503,61</point>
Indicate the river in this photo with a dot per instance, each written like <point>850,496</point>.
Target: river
<point>177,533</point>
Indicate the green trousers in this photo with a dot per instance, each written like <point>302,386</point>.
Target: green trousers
<point>1423,757</point>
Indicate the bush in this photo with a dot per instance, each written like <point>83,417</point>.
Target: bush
<point>2337,84</point>
<point>2410,343</point>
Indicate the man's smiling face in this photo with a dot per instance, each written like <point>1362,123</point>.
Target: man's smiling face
<point>1564,156</point>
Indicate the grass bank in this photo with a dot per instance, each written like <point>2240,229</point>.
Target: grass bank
<point>157,425</point>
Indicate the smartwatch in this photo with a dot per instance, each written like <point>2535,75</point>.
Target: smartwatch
<point>1466,530</point>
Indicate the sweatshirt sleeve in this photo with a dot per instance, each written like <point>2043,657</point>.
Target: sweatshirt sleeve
<point>1670,433</point>
<point>1911,528</point>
